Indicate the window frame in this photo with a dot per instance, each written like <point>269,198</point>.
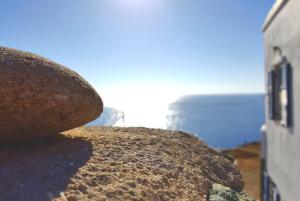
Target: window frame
<point>279,93</point>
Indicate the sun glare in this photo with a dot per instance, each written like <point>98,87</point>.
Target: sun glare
<point>142,106</point>
<point>141,4</point>
<point>133,2</point>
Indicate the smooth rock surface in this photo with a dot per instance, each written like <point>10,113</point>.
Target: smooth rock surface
<point>40,97</point>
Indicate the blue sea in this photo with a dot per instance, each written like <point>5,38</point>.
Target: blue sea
<point>222,121</point>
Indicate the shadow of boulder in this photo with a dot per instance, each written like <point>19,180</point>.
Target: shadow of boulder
<point>39,170</point>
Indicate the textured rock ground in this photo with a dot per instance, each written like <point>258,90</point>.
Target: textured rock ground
<point>103,163</point>
<point>222,193</point>
<point>40,97</point>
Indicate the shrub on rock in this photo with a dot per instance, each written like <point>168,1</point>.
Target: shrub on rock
<point>222,193</point>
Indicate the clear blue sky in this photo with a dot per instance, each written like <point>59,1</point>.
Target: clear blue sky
<point>199,46</point>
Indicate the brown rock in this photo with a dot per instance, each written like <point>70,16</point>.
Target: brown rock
<point>40,97</point>
<point>104,163</point>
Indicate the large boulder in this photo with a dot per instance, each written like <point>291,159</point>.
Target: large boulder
<point>40,97</point>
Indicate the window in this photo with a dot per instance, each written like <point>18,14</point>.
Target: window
<point>279,90</point>
<point>270,191</point>
<point>271,94</point>
<point>265,190</point>
<point>285,95</point>
<point>276,194</point>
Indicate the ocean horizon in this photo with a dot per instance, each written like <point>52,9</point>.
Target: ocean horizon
<point>222,121</point>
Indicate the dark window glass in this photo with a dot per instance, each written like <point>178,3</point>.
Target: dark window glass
<point>271,95</point>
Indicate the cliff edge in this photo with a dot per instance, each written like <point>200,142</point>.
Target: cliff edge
<point>105,163</point>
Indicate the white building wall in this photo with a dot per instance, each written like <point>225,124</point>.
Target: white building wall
<point>283,144</point>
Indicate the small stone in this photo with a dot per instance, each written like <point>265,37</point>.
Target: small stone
<point>40,97</point>
<point>62,196</point>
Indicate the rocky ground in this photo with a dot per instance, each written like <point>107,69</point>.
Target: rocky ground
<point>104,163</point>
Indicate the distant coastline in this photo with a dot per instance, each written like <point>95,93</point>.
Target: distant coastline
<point>221,120</point>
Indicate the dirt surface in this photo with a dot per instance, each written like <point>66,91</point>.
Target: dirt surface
<point>248,160</point>
<point>103,163</point>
